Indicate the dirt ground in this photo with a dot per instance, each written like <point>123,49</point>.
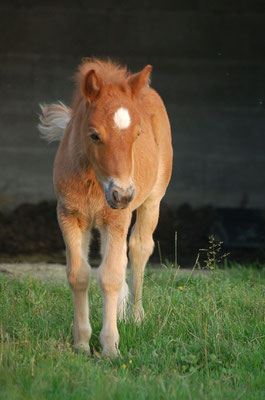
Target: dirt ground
<point>42,271</point>
<point>31,234</point>
<point>57,272</point>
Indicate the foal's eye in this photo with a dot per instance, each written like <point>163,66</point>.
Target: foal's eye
<point>95,137</point>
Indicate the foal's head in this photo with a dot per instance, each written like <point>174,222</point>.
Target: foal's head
<point>111,125</point>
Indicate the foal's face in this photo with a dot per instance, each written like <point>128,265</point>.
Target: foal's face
<point>111,132</point>
<point>111,127</point>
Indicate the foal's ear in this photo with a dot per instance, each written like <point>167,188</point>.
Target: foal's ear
<point>91,85</point>
<point>140,79</point>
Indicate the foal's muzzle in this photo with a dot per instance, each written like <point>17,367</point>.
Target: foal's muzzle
<point>117,197</point>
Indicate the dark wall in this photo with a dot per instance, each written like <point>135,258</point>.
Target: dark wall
<point>209,64</point>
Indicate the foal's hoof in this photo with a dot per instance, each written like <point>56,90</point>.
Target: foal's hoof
<point>109,342</point>
<point>111,352</point>
<point>82,348</point>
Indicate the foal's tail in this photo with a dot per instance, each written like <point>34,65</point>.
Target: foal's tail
<point>53,121</point>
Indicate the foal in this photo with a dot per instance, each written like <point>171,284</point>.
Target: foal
<point>115,157</point>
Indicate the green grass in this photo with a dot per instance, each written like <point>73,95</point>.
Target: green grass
<point>206,341</point>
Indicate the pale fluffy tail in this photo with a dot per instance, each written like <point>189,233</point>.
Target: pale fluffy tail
<point>53,121</point>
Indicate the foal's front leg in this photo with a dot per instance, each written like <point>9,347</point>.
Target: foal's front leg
<point>112,279</point>
<point>78,274</point>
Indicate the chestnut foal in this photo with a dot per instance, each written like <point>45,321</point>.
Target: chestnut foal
<point>115,157</point>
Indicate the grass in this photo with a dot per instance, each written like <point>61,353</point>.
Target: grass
<point>201,339</point>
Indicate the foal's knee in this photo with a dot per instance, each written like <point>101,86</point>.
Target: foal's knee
<point>142,247</point>
<point>79,278</point>
<point>112,274</point>
<point>110,282</point>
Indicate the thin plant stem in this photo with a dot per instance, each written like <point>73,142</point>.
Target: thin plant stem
<point>194,266</point>
<point>159,252</point>
<point>176,249</point>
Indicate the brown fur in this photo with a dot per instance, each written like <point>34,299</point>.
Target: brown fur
<point>138,158</point>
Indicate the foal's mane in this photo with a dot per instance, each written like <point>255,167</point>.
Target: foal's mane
<point>109,72</point>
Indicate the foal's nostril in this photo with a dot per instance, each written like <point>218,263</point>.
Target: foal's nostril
<point>120,198</point>
<point>126,199</point>
<point>116,196</point>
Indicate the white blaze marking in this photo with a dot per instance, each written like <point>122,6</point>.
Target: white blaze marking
<point>122,118</point>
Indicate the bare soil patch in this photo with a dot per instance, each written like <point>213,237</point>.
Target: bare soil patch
<point>31,234</point>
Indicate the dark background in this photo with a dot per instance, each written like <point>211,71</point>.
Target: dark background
<point>208,60</point>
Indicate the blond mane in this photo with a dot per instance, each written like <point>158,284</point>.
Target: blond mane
<point>109,72</point>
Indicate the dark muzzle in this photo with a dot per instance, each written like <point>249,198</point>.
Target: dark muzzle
<point>117,197</point>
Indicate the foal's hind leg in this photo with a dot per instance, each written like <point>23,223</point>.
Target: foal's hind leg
<point>141,246</point>
<point>123,296</point>
<point>78,274</point>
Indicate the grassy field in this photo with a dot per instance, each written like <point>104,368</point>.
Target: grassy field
<point>203,338</point>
